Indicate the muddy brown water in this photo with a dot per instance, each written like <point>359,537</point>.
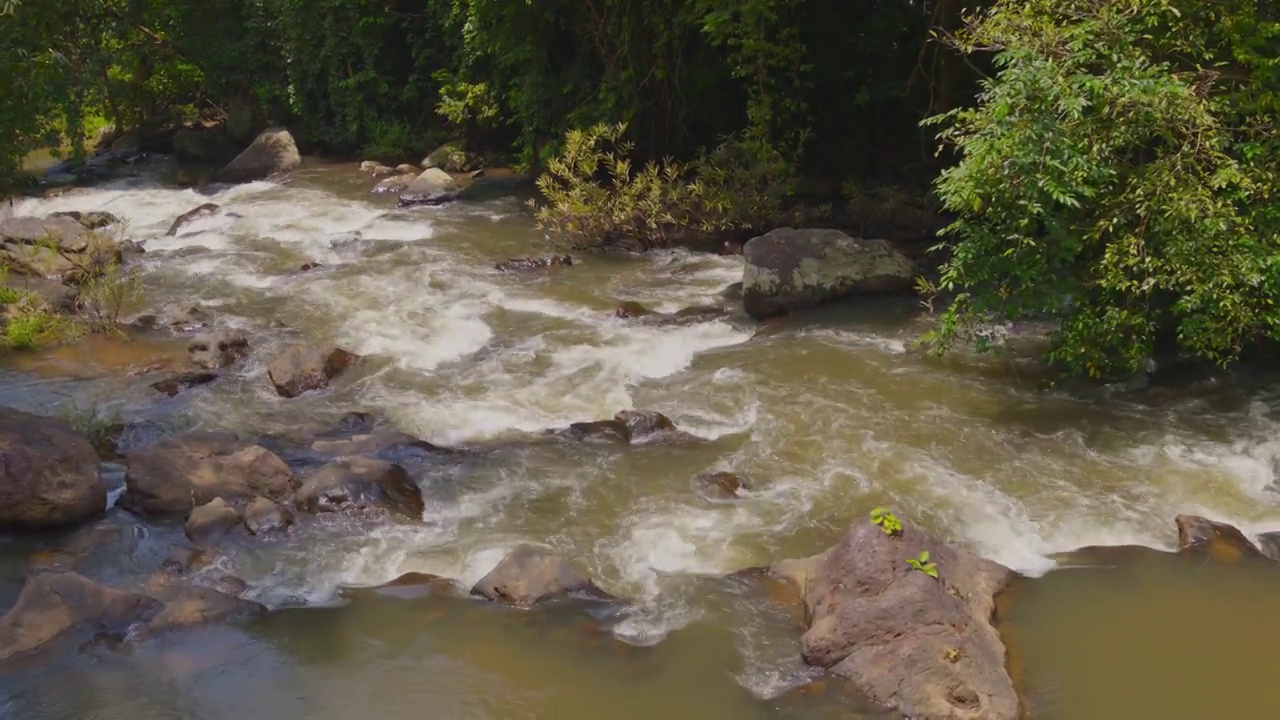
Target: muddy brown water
<point>825,416</point>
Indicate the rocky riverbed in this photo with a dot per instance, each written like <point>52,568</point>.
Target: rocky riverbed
<point>355,457</point>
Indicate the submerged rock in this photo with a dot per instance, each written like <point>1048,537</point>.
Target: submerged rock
<point>788,269</point>
<point>1220,541</point>
<point>91,220</point>
<point>271,153</point>
<point>924,646</point>
<point>48,473</point>
<point>411,585</point>
<point>534,263</point>
<point>54,606</point>
<point>530,574</point>
<point>719,486</point>
<point>192,215</point>
<point>177,474</point>
<point>213,351</point>
<point>628,426</point>
<point>263,517</point>
<point>631,309</point>
<point>210,522</point>
<point>361,483</point>
<point>187,606</point>
<point>175,384</point>
<point>302,368</point>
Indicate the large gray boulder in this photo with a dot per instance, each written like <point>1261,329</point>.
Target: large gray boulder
<point>788,269</point>
<point>529,575</point>
<point>179,474</point>
<point>433,187</point>
<point>450,157</point>
<point>924,646</point>
<point>48,473</point>
<point>271,153</point>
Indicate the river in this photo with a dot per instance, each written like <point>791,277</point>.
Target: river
<point>825,416</point>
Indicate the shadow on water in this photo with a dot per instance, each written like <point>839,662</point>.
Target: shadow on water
<point>380,656</point>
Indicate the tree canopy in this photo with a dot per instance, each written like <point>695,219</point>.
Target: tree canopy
<point>1107,164</point>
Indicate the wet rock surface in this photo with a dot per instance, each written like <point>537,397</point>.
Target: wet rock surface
<point>190,216</point>
<point>530,574</point>
<point>533,263</point>
<point>1220,541</point>
<point>361,483</point>
<point>303,368</point>
<point>213,351</point>
<point>922,645</point>
<point>178,474</point>
<point>264,517</point>
<point>62,605</point>
<point>210,522</point>
<point>48,473</point>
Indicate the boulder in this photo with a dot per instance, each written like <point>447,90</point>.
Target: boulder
<point>361,483</point>
<point>921,645</point>
<point>530,574</point>
<point>407,169</point>
<point>367,166</point>
<point>192,215</point>
<point>177,474</point>
<point>48,473</point>
<point>450,157</point>
<point>50,295</point>
<point>53,606</point>
<point>62,232</point>
<point>262,517</point>
<point>175,384</point>
<point>732,292</point>
<point>598,431</point>
<point>533,263</point>
<point>631,309</point>
<point>719,486</point>
<point>1219,541</point>
<point>210,522</point>
<point>271,153</point>
<point>381,169</point>
<point>394,184</point>
<point>788,269</point>
<point>92,220</point>
<point>432,187</point>
<point>641,424</point>
<point>301,368</point>
<point>409,586</point>
<point>212,351</point>
<point>187,606</point>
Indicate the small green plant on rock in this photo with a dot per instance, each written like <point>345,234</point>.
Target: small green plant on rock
<point>923,564</point>
<point>94,421</point>
<point>886,521</point>
<point>106,296</point>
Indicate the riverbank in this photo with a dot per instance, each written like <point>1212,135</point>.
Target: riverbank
<point>825,416</point>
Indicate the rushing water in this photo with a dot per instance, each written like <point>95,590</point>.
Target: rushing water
<point>825,416</point>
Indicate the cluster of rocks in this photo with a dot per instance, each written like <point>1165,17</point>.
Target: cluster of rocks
<point>49,259</point>
<point>431,182</point>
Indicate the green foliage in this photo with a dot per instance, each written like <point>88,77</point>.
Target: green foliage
<point>1117,176</point>
<point>595,195</point>
<point>106,296</point>
<point>886,521</point>
<point>29,327</point>
<point>96,422</point>
<point>923,564</point>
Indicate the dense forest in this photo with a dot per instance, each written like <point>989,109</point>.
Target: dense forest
<point>1108,164</point>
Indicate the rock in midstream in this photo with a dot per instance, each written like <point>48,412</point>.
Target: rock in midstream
<point>531,574</point>
<point>924,646</point>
